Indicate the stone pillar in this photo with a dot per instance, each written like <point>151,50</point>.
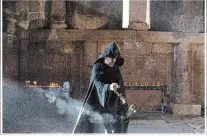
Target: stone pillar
<point>58,14</point>
<point>10,45</point>
<point>11,25</point>
<point>184,102</point>
<point>22,9</point>
<point>37,14</point>
<point>23,61</point>
<point>139,14</point>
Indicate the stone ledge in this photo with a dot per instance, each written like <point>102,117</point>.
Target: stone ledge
<point>58,25</point>
<point>139,26</point>
<point>186,109</point>
<point>120,36</point>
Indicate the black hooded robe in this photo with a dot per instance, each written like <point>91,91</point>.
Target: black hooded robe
<point>101,99</point>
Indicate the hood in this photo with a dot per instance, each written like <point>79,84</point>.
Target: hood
<point>111,51</point>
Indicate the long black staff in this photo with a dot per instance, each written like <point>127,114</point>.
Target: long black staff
<point>84,104</point>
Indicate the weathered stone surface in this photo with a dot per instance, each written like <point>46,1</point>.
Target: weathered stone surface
<point>183,75</point>
<point>23,60</point>
<point>34,6</point>
<point>79,21</point>
<point>103,10</point>
<point>89,22</point>
<point>95,22</point>
<point>140,36</point>
<point>22,7</point>
<point>24,24</point>
<point>137,11</point>
<point>35,15</point>
<point>10,57</point>
<point>76,62</point>
<point>139,26</point>
<point>138,15</point>
<point>186,109</point>
<point>58,10</point>
<point>10,25</point>
<point>58,14</point>
<point>165,16</point>
<point>189,84</point>
<point>58,25</point>
<point>145,62</point>
<point>198,73</point>
<point>119,35</point>
<point>184,16</point>
<point>89,56</point>
<point>144,100</point>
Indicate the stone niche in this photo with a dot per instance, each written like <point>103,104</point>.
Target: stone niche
<point>94,14</point>
<point>47,64</point>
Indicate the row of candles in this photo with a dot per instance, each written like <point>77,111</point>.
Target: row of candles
<point>53,84</point>
<point>28,84</point>
<point>147,84</point>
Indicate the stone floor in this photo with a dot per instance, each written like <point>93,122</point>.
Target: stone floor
<point>30,112</point>
<point>144,123</point>
<point>158,123</point>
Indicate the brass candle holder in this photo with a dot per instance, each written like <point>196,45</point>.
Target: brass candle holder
<point>35,83</point>
<point>27,83</point>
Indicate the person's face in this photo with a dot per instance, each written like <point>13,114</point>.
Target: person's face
<point>110,61</point>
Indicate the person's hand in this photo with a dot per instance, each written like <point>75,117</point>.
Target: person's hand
<point>113,86</point>
<point>124,108</point>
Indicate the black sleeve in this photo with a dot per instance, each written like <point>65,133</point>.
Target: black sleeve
<point>101,88</point>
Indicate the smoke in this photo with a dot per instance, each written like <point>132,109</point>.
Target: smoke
<point>72,107</point>
<point>42,110</point>
<point>25,110</point>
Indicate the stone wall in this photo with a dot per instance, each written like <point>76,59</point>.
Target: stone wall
<point>198,73</point>
<point>149,57</point>
<point>184,16</point>
<point>31,54</point>
<point>144,62</point>
<point>10,57</point>
<point>94,14</point>
<point>79,14</point>
<point>145,100</point>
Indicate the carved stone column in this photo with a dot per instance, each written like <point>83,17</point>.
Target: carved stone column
<point>58,17</point>
<point>184,102</point>
<point>11,25</point>
<point>139,14</point>
<point>58,14</point>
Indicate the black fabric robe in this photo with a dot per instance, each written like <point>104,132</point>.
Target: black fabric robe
<point>100,98</point>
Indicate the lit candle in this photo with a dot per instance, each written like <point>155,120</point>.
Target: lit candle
<point>35,83</point>
<point>27,83</point>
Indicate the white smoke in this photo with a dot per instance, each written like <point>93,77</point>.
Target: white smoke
<point>21,105</point>
<point>72,107</point>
